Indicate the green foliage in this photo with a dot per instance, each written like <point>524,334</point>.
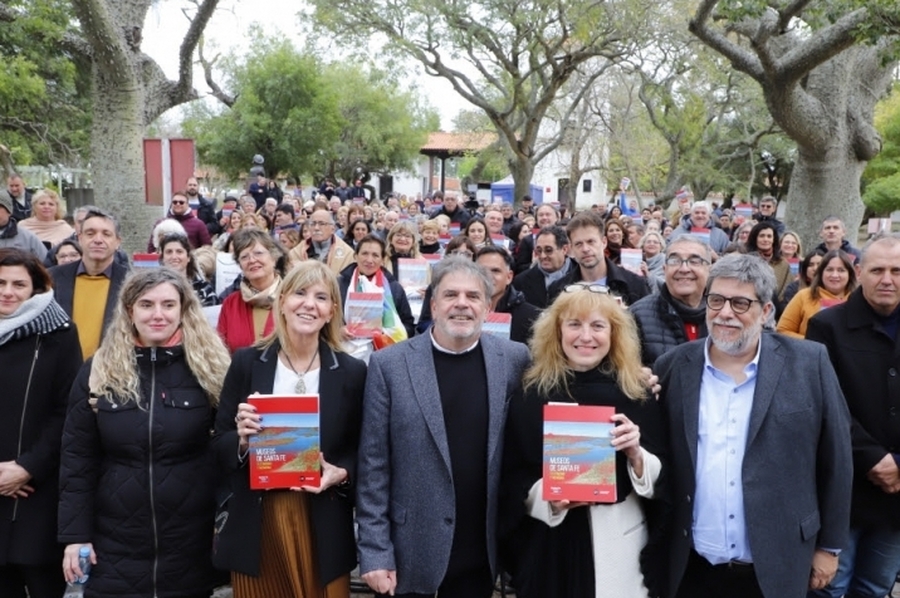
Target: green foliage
<point>382,126</point>
<point>44,105</point>
<point>882,175</point>
<point>282,111</point>
<point>307,118</point>
<point>883,195</point>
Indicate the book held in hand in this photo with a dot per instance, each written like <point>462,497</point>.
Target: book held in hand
<point>632,260</point>
<point>414,274</point>
<point>285,454</point>
<point>579,461</point>
<point>364,312</point>
<point>498,324</point>
<point>703,233</point>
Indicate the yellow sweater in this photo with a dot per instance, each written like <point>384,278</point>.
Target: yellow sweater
<point>802,307</point>
<point>88,305</point>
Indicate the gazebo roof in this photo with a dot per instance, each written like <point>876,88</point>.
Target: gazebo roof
<point>442,144</point>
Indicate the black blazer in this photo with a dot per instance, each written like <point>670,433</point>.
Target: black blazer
<point>64,288</point>
<point>341,383</point>
<point>866,360</point>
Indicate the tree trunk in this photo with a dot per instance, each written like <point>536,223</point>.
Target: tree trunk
<point>835,139</point>
<point>522,169</point>
<point>824,185</point>
<point>118,159</point>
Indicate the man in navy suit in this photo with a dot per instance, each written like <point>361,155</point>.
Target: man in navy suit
<point>429,458</point>
<point>759,450</point>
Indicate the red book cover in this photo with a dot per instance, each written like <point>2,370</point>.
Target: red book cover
<point>285,454</point>
<point>579,461</point>
<point>826,303</point>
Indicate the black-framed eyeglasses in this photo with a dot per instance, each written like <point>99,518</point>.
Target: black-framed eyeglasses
<point>178,203</point>
<point>580,286</point>
<point>695,261</point>
<point>739,305</point>
<point>544,250</point>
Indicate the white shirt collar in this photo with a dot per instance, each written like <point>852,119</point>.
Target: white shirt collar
<point>438,346</point>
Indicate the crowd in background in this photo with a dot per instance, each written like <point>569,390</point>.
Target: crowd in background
<point>128,386</point>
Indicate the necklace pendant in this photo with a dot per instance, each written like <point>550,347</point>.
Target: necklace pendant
<point>300,387</point>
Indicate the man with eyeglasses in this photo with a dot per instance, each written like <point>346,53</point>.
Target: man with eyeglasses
<point>677,314</point>
<point>545,215</point>
<point>323,244</point>
<point>759,458</point>
<point>180,211</point>
<point>552,262</point>
<point>587,244</point>
<point>767,207</point>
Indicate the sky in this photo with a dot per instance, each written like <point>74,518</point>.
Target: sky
<point>166,25</point>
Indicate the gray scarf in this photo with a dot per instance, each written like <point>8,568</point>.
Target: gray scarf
<point>550,278</point>
<point>38,315</point>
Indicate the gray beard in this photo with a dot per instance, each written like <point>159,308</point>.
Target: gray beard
<point>736,347</point>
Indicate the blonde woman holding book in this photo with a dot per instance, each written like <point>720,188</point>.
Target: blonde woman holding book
<point>586,350</point>
<point>297,542</point>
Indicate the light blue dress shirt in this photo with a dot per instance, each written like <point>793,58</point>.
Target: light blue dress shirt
<point>719,527</point>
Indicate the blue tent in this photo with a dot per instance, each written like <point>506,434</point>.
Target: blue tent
<point>505,191</point>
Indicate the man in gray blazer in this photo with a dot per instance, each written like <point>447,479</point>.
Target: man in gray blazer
<point>760,457</point>
<point>429,464</point>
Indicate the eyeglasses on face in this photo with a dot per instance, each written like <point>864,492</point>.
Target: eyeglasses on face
<point>252,255</point>
<point>695,261</point>
<point>580,286</point>
<point>544,250</point>
<point>178,203</point>
<point>739,305</point>
<point>462,253</point>
<point>319,223</point>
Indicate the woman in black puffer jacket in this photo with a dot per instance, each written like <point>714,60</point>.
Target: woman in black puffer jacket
<point>136,482</point>
<point>40,354</point>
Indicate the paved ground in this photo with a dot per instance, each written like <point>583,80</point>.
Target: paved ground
<point>225,592</point>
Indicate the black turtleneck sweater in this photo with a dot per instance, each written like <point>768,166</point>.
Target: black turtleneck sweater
<point>462,383</point>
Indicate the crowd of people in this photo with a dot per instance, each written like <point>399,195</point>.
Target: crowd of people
<point>749,461</point>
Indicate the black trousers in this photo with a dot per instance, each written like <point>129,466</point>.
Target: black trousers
<point>705,580</point>
<point>472,584</point>
<point>42,581</point>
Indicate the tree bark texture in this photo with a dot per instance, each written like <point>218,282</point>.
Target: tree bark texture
<point>821,88</point>
<point>129,92</point>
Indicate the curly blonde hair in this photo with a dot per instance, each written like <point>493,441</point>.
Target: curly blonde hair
<point>114,372</point>
<point>550,370</point>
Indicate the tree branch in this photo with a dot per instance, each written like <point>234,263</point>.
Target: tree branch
<point>822,46</point>
<point>109,52</point>
<point>741,59</point>
<point>184,87</point>
<point>789,12</point>
<point>217,92</point>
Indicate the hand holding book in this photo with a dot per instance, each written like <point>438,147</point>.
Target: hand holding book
<point>627,438</point>
<point>332,475</point>
<point>558,506</point>
<point>248,423</point>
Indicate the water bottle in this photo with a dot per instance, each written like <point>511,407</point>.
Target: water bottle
<point>84,563</point>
